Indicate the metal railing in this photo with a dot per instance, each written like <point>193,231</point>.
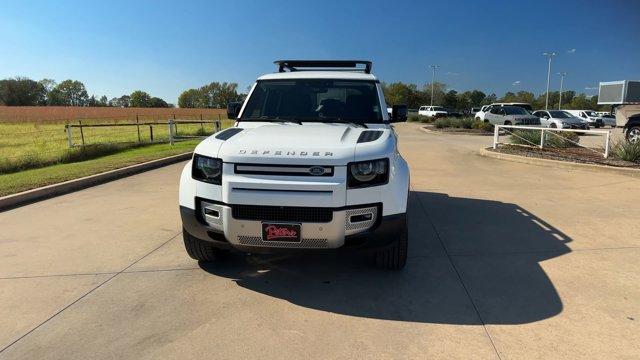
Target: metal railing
<point>172,127</point>
<point>544,132</point>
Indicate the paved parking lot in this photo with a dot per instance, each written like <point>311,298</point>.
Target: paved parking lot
<point>506,260</point>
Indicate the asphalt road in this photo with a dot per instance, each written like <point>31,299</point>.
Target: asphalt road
<point>506,260</point>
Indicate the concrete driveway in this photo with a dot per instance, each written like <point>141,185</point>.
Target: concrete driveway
<point>507,260</point>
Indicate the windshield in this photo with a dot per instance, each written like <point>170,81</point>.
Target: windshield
<point>316,100</point>
<point>591,113</point>
<point>559,114</point>
<point>514,110</point>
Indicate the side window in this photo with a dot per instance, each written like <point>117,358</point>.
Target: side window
<point>502,112</point>
<point>583,114</point>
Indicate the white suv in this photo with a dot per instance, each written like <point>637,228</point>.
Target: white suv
<point>311,164</point>
<point>433,111</point>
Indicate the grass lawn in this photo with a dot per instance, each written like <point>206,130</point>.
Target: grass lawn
<point>30,145</point>
<point>30,179</point>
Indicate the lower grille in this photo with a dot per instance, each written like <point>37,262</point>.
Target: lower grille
<point>282,213</point>
<point>303,244</point>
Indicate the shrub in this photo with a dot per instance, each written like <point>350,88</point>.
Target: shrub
<point>420,118</point>
<point>627,151</point>
<point>442,123</point>
<point>552,139</point>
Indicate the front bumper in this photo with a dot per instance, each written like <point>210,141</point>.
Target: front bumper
<point>226,232</point>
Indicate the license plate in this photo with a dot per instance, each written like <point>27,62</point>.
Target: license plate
<point>281,232</point>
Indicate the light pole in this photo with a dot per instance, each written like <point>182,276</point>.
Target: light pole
<point>433,80</point>
<point>548,54</point>
<point>562,75</point>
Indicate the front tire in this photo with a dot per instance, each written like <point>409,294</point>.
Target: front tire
<point>394,257</point>
<point>198,249</point>
<point>633,134</point>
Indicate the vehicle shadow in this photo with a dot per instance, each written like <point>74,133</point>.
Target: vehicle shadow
<point>459,248</point>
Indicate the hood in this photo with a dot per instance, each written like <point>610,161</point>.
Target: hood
<point>310,143</point>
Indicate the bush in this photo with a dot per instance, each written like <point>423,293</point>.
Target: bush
<point>442,123</point>
<point>627,151</point>
<point>462,123</point>
<point>420,118</point>
<point>552,139</point>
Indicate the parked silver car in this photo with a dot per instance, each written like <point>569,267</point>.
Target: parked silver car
<point>561,120</point>
<point>510,115</point>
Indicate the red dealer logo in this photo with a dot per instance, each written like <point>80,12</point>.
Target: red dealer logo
<point>280,232</point>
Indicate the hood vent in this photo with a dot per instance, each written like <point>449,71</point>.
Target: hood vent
<point>226,134</point>
<point>369,135</point>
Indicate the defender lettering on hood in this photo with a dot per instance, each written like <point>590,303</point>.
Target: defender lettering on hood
<point>286,153</point>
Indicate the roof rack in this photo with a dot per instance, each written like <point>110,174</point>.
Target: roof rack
<point>335,65</point>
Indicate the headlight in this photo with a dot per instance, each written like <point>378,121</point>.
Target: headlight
<point>207,169</point>
<point>367,173</point>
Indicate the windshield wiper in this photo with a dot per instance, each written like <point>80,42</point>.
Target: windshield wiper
<point>273,119</point>
<point>340,121</point>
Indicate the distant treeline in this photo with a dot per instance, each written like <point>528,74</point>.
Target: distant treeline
<point>46,92</point>
<point>21,91</point>
<point>409,94</point>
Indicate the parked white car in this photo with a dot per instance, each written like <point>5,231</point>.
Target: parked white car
<point>483,110</point>
<point>588,115</point>
<point>432,111</point>
<point>561,120</point>
<point>510,115</point>
<point>310,164</point>
<point>480,115</point>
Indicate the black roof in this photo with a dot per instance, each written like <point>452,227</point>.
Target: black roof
<point>341,65</point>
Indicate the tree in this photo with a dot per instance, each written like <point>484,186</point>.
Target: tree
<point>22,92</point>
<point>214,95</point>
<point>140,98</point>
<point>156,102</point>
<point>450,99</point>
<point>192,98</point>
<point>103,101</point>
<point>69,93</point>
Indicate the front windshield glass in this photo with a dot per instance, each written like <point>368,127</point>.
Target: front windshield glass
<point>559,114</point>
<point>315,100</point>
<point>591,113</point>
<point>514,110</point>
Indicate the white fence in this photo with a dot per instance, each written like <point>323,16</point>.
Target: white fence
<point>551,131</point>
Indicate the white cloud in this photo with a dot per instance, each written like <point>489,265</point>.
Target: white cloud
<point>591,88</point>
<point>451,73</point>
<point>515,83</point>
<point>571,51</point>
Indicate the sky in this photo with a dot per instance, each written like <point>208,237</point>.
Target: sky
<point>166,47</point>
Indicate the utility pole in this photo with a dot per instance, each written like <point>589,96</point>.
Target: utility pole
<point>433,81</point>
<point>562,75</point>
<point>549,54</point>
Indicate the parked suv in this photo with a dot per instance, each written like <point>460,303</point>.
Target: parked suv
<point>510,115</point>
<point>432,111</point>
<point>311,164</point>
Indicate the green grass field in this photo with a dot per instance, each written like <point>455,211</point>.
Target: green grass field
<point>36,154</point>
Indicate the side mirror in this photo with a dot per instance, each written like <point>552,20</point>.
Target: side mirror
<point>233,109</point>
<point>399,113</point>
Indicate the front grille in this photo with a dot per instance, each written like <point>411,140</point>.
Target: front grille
<point>282,213</point>
<point>304,243</point>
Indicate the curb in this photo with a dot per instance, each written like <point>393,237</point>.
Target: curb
<point>560,164</point>
<point>30,196</point>
<point>428,131</point>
